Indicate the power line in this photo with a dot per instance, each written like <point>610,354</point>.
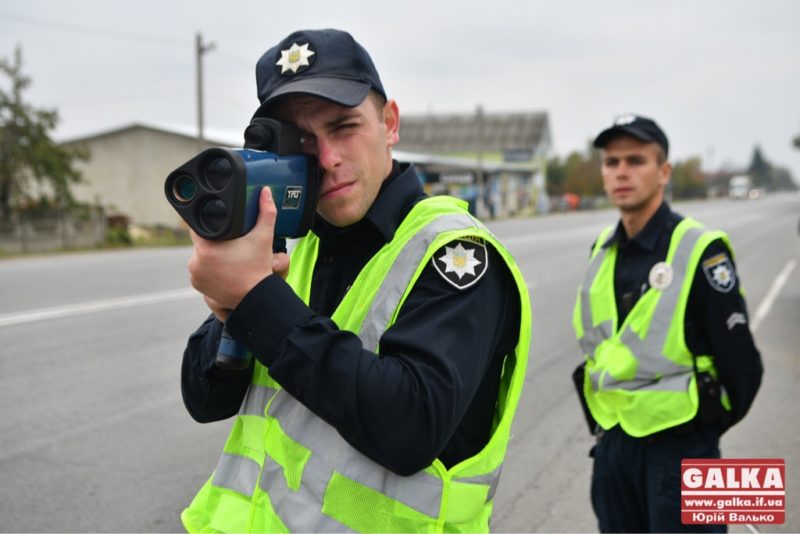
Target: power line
<point>98,32</point>
<point>108,34</point>
<point>134,98</point>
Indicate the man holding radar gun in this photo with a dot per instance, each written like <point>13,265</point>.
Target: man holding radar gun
<point>375,379</point>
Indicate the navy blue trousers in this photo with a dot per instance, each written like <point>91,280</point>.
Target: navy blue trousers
<point>636,482</point>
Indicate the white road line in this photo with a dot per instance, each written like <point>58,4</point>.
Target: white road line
<point>55,312</point>
<point>772,294</point>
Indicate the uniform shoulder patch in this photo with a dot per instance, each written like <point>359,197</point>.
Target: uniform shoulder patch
<point>719,272</point>
<point>462,262</point>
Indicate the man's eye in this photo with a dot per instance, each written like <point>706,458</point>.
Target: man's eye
<point>308,142</point>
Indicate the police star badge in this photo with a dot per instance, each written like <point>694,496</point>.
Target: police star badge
<point>624,119</point>
<point>462,262</point>
<point>295,59</point>
<point>719,272</point>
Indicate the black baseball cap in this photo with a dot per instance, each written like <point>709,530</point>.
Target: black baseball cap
<point>636,126</point>
<point>326,63</point>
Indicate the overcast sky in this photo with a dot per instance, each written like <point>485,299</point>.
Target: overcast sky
<point>719,76</point>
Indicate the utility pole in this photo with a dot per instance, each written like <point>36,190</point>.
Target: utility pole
<point>200,49</point>
<point>479,160</point>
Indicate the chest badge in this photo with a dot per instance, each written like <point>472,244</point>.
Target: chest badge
<point>462,262</point>
<point>660,277</point>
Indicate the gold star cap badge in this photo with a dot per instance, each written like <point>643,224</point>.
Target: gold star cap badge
<point>624,119</point>
<point>295,59</point>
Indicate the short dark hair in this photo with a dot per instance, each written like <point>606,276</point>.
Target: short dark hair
<point>378,100</point>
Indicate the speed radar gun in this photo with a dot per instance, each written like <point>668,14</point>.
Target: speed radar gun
<point>217,192</point>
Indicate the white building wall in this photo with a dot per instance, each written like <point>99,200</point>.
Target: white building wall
<point>127,169</point>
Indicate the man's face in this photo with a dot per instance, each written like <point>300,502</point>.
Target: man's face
<point>353,146</point>
<point>633,178</point>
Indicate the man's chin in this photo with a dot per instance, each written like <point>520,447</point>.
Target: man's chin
<point>628,205</point>
<point>338,218</point>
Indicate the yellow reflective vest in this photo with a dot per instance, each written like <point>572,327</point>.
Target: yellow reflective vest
<point>640,374</point>
<point>283,469</point>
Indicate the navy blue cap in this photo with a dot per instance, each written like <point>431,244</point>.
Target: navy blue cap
<point>636,126</point>
<point>326,63</point>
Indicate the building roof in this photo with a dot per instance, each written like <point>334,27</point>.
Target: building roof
<point>464,133</point>
<point>212,137</point>
<point>428,159</point>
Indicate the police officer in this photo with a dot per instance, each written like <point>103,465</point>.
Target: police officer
<point>388,364</point>
<point>660,317</point>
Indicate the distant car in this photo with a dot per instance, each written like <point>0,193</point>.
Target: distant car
<point>739,186</point>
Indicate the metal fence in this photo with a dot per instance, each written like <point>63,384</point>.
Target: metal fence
<point>52,230</point>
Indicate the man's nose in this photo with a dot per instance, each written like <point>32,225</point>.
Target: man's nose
<point>621,171</point>
<point>327,154</point>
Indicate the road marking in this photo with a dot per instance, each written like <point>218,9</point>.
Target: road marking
<point>772,294</point>
<point>82,308</point>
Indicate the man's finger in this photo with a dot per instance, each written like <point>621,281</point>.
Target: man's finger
<point>267,212</point>
<point>220,312</point>
<point>280,264</point>
<point>194,236</point>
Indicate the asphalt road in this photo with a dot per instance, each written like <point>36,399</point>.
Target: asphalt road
<point>94,436</point>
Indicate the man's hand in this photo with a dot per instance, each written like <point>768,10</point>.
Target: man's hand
<point>280,266</point>
<point>225,271</point>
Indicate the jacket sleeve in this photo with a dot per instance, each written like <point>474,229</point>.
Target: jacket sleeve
<point>718,324</point>
<point>402,407</point>
<point>209,392</point>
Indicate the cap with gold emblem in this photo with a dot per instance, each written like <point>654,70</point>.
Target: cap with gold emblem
<point>326,63</point>
<point>636,126</point>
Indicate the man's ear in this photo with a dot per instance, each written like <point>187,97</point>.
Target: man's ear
<point>391,121</point>
<point>665,173</point>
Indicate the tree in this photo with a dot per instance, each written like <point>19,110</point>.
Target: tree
<point>583,173</point>
<point>555,177</point>
<point>27,153</point>
<point>760,170</point>
<point>579,173</point>
<point>688,180</point>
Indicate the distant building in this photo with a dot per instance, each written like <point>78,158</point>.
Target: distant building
<point>718,182</point>
<point>127,167</point>
<point>508,150</point>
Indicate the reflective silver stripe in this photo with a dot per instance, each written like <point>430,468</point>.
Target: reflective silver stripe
<point>237,473</point>
<point>399,276</point>
<point>595,335</point>
<point>489,479</point>
<point>654,367</point>
<point>592,335</point>
<point>421,491</point>
<point>256,399</point>
<point>295,508</point>
<point>655,371</point>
